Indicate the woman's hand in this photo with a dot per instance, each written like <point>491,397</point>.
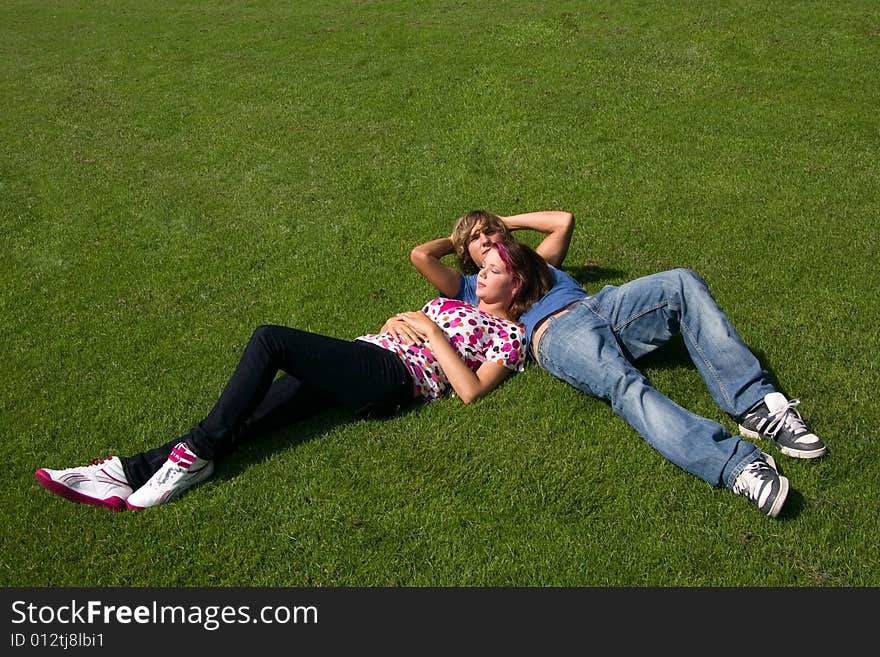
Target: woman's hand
<point>400,330</point>
<point>468,384</point>
<point>419,324</point>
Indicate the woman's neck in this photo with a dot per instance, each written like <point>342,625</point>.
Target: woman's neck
<point>497,309</point>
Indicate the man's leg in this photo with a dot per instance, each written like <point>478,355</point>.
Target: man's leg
<point>647,312</point>
<point>580,348</point>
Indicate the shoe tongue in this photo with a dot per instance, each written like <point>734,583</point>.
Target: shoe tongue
<point>775,401</point>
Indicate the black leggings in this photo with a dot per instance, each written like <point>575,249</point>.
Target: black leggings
<point>320,372</point>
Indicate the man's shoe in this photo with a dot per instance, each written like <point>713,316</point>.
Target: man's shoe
<point>101,483</point>
<point>776,419</point>
<point>763,485</point>
<point>182,470</point>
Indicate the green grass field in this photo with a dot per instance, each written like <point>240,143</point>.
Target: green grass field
<point>173,174</point>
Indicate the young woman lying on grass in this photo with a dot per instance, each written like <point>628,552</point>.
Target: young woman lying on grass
<point>417,356</point>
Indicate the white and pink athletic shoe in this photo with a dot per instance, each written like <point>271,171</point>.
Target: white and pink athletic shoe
<point>182,470</point>
<point>101,483</point>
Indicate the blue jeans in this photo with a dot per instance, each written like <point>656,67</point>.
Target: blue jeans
<point>593,347</point>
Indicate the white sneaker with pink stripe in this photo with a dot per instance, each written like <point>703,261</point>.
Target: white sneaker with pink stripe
<point>182,470</point>
<point>101,483</point>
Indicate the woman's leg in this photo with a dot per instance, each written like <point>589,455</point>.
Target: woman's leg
<point>287,401</point>
<point>353,374</point>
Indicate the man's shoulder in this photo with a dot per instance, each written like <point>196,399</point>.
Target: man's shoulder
<point>467,290</point>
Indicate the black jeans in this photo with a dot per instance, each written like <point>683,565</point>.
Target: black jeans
<point>319,372</point>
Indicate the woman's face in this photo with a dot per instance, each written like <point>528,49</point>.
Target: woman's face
<point>494,283</point>
<point>480,243</point>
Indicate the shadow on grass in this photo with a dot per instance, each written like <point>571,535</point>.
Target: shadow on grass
<point>260,444</point>
<point>794,505</point>
<point>590,274</point>
<point>674,355</point>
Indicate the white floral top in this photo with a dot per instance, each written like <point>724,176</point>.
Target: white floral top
<point>477,336</point>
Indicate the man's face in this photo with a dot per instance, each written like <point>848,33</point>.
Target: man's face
<point>480,242</point>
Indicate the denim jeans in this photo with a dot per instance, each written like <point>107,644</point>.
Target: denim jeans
<point>320,372</point>
<point>595,344</point>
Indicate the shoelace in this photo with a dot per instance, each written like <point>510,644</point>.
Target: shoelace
<point>760,472</point>
<point>786,416</point>
<point>98,460</point>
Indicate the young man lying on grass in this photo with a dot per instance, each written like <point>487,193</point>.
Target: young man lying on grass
<point>593,342</point>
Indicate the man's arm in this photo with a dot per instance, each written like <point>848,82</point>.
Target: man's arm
<point>426,259</point>
<point>558,226</point>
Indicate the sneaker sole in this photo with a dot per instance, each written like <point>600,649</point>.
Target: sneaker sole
<point>779,502</point>
<point>788,451</point>
<point>45,480</point>
<point>802,454</point>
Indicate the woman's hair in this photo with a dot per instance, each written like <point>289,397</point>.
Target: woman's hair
<point>475,220</point>
<point>528,269</point>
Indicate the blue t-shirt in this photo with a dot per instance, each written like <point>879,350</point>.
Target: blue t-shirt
<point>565,290</point>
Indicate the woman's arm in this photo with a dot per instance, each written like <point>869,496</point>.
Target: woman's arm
<point>400,330</point>
<point>426,259</point>
<point>468,385</point>
<point>558,225</point>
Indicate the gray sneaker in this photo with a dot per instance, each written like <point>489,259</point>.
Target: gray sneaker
<point>776,419</point>
<point>763,485</point>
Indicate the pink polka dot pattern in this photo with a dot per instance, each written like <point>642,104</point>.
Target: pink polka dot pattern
<point>477,336</point>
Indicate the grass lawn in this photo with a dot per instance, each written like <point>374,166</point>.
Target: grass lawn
<point>174,174</point>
